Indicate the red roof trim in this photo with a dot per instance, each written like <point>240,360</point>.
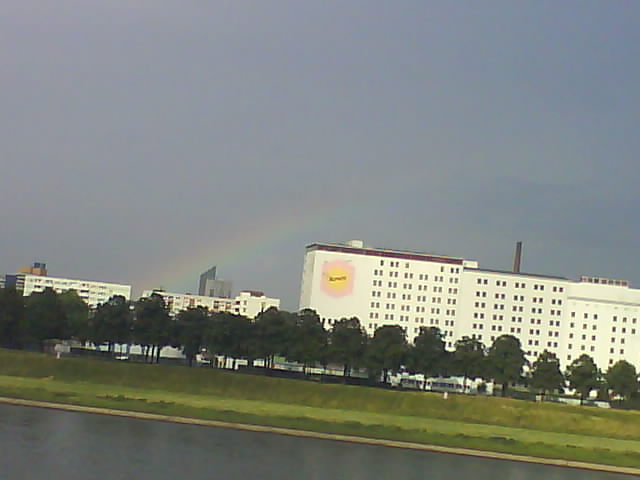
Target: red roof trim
<point>422,257</point>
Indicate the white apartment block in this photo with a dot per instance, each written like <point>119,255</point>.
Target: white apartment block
<point>92,292</point>
<point>248,303</point>
<point>595,316</point>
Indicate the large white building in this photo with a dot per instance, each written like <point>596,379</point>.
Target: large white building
<point>92,292</point>
<point>595,316</point>
<point>248,303</point>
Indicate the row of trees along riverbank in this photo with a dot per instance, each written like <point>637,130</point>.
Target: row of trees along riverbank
<point>26,322</point>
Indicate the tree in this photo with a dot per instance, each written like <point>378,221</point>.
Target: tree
<point>46,317</point>
<point>428,354</point>
<point>229,335</point>
<point>121,319</point>
<point>13,328</point>
<point>469,358</point>
<point>505,360</point>
<point>77,312</point>
<point>309,341</point>
<point>347,344</point>
<point>191,325</point>
<point>152,326</point>
<point>623,379</point>
<point>583,375</point>
<point>386,351</point>
<point>241,333</point>
<point>546,374</point>
<point>111,323</point>
<point>272,334</point>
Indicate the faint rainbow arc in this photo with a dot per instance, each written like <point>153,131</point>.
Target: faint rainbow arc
<point>241,247</point>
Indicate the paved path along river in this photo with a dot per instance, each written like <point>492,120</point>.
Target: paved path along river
<point>43,443</point>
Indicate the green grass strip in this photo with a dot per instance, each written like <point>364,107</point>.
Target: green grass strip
<point>482,423</point>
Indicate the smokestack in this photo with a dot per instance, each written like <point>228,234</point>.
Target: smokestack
<point>517,258</point>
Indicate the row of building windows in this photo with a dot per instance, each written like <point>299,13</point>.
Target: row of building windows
<point>594,316</point>
<point>409,286</point>
<point>623,330</point>
<point>396,264</point>
<point>503,283</point>
<point>517,298</point>
<point>584,326</point>
<point>408,297</point>
<point>406,318</point>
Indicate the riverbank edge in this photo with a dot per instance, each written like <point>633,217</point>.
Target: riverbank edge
<point>321,436</point>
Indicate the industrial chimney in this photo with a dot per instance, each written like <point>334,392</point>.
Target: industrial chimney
<point>517,258</point>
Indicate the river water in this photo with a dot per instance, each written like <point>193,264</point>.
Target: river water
<point>38,443</point>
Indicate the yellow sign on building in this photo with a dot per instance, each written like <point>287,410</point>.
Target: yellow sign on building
<point>337,278</point>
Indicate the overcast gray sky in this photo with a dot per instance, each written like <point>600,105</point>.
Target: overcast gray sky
<point>142,142</point>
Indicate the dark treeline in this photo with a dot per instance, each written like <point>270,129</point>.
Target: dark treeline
<point>27,322</point>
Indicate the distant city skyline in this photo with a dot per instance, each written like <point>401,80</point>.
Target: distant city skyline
<point>515,253</point>
<point>142,145</point>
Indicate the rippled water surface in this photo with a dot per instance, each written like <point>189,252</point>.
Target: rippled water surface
<point>38,443</point>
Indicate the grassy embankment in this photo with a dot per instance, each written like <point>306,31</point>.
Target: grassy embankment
<point>485,423</point>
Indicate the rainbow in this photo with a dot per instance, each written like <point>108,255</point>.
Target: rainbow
<point>240,247</point>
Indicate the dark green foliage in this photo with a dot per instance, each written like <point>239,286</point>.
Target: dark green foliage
<point>428,354</point>
<point>190,327</point>
<point>309,341</point>
<point>387,350</point>
<point>347,344</point>
<point>12,318</point>
<point>583,375</point>
<point>546,375</point>
<point>273,332</point>
<point>230,335</point>
<point>77,312</point>
<point>152,326</point>
<point>505,360</point>
<point>623,379</point>
<point>111,323</point>
<point>46,317</point>
<point>469,358</point>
